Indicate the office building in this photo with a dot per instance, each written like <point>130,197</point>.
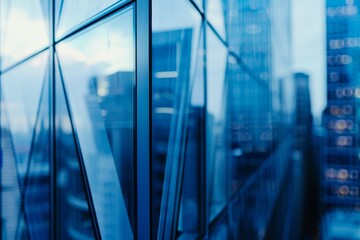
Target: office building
<point>340,153</point>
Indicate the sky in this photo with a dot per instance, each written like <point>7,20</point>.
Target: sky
<point>309,48</point>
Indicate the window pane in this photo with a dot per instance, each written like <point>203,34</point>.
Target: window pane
<point>192,205</point>
<point>176,70</point>
<point>24,29</point>
<point>217,147</point>
<point>25,150</point>
<point>199,3</point>
<point>70,13</point>
<point>215,15</point>
<point>97,68</point>
<point>72,210</point>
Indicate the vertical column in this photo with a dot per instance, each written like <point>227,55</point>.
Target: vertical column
<point>52,137</point>
<point>143,117</point>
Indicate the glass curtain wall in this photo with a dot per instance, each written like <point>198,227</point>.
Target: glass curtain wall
<point>218,127</point>
<point>220,117</point>
<point>67,119</point>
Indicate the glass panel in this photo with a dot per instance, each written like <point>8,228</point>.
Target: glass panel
<point>215,11</point>
<point>24,29</point>
<point>217,147</point>
<point>199,3</point>
<point>192,205</point>
<point>25,150</point>
<point>70,13</point>
<point>10,184</point>
<point>221,232</point>
<point>37,182</point>
<point>21,98</point>
<point>97,68</point>
<point>73,216</point>
<point>175,52</point>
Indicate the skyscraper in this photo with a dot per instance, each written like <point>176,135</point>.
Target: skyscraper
<point>341,118</point>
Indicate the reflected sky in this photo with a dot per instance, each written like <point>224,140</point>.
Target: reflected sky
<point>24,29</point>
<point>309,53</point>
<point>70,13</point>
<point>215,14</point>
<point>20,104</point>
<point>89,63</point>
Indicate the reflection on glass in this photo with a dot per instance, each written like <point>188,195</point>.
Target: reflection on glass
<point>221,232</point>
<point>192,205</point>
<point>199,3</point>
<point>176,69</point>
<point>216,122</point>
<point>37,182</point>
<point>70,13</point>
<point>249,33</point>
<point>25,150</point>
<point>97,68</point>
<point>74,219</point>
<point>24,29</point>
<point>215,14</point>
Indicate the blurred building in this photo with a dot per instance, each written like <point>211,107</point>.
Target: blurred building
<point>341,117</point>
<point>303,112</point>
<point>340,153</point>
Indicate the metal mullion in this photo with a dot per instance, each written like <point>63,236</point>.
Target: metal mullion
<point>52,112</point>
<point>143,119</point>
<point>195,5</point>
<point>205,177</point>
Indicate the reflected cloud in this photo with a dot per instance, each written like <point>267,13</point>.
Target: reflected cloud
<point>24,31</point>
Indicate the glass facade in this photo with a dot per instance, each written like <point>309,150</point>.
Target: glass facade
<point>168,119</point>
<point>220,152</point>
<point>68,86</point>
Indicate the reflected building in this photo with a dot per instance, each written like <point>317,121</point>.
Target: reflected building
<point>106,94</point>
<point>303,113</point>
<point>171,77</point>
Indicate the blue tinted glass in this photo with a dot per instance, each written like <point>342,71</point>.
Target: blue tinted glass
<point>21,96</point>
<point>175,71</point>
<point>24,29</point>
<point>215,10</point>
<point>37,181</point>
<point>199,3</point>
<point>97,68</point>
<point>192,205</point>
<point>73,216</point>
<point>216,122</point>
<point>220,232</point>
<point>70,14</point>
<point>249,35</point>
<point>25,150</point>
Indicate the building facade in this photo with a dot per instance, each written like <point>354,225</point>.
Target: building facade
<point>162,119</point>
<point>341,117</point>
<point>340,155</point>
